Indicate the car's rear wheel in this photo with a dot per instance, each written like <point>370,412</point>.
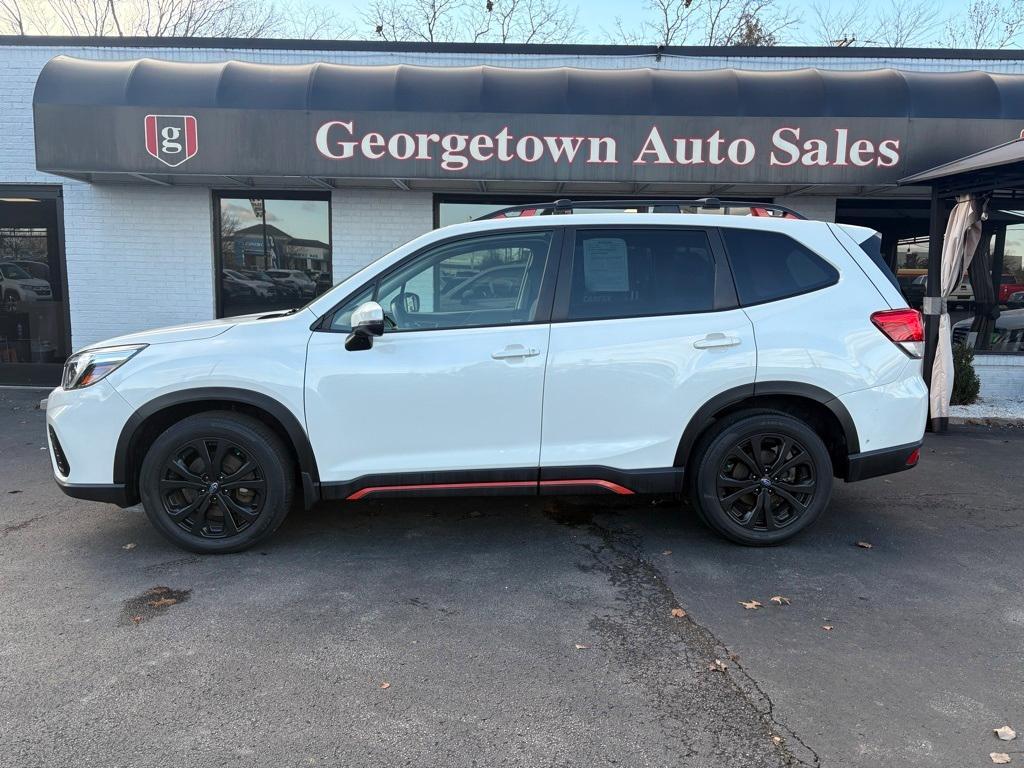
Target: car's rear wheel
<point>217,482</point>
<point>760,477</point>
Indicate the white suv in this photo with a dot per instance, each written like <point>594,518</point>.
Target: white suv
<point>745,361</point>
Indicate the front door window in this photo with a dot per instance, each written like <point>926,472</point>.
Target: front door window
<point>494,280</point>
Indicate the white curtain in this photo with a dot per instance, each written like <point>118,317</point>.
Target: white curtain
<point>963,233</point>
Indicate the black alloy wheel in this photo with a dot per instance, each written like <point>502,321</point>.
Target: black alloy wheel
<point>766,481</point>
<point>212,488</point>
<point>217,482</point>
<point>760,476</point>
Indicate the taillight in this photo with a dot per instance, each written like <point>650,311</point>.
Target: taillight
<point>902,327</point>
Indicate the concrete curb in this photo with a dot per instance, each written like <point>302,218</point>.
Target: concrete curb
<point>987,421</point>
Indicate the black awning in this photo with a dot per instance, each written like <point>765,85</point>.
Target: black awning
<point>555,91</point>
<point>805,126</point>
<point>1004,156</point>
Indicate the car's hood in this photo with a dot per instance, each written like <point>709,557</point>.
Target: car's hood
<point>190,332</point>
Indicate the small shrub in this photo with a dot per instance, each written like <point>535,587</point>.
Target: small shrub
<point>966,384</point>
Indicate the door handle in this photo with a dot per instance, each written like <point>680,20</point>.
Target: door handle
<point>513,351</point>
<point>716,340</point>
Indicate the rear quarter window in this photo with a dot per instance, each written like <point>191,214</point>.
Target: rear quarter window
<point>873,248</point>
<point>770,265</point>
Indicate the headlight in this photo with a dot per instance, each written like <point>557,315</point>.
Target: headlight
<point>88,367</point>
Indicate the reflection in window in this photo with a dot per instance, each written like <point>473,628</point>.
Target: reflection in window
<point>274,253</point>
<point>33,336</point>
<point>492,280</point>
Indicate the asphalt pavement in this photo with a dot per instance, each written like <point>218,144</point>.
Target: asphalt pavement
<point>518,632</point>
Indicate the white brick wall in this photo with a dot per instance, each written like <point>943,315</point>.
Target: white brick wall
<point>1001,376</point>
<point>137,257</point>
<point>366,224</point>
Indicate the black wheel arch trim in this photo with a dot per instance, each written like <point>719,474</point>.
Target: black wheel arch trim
<point>723,400</point>
<point>309,474</point>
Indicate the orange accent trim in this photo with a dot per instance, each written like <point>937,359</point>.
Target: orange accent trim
<point>362,492</point>
<point>606,484</point>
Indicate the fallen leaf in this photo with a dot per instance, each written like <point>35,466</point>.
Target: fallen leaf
<point>136,619</point>
<point>1006,733</point>
<point>999,758</point>
<point>129,545</point>
<point>385,685</point>
<point>718,666</point>
<point>750,605</point>
<point>162,602</point>
<point>865,544</point>
<point>780,600</point>
<point>582,646</point>
<point>667,552</point>
<point>827,627</point>
<point>734,657</point>
<point>158,591</point>
<point>678,613</point>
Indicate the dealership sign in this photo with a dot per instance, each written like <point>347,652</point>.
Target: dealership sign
<point>457,152</point>
<point>95,119</point>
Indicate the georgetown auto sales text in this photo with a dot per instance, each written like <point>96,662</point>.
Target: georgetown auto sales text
<point>788,146</point>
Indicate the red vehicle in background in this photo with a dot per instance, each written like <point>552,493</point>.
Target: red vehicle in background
<point>1008,284</point>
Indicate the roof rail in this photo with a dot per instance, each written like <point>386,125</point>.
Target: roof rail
<point>656,205</point>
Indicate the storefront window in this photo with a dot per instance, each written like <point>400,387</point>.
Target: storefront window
<point>33,308</point>
<point>274,252</point>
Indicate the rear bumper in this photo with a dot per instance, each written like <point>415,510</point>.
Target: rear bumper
<point>886,461</point>
<point>111,493</point>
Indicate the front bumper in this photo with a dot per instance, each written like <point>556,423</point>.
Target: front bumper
<point>83,429</point>
<point>111,493</point>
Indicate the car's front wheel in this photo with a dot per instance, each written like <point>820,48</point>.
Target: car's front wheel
<point>760,477</point>
<point>217,482</point>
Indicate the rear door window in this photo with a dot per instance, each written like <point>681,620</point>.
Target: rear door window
<point>770,265</point>
<point>640,272</point>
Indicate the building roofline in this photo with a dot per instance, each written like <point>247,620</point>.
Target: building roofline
<point>377,46</point>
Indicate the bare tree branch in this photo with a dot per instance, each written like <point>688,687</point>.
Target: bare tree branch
<point>502,21</point>
<point>307,21</point>
<point>842,26</point>
<point>986,24</point>
<point>11,17</point>
<point>906,23</point>
<point>707,22</point>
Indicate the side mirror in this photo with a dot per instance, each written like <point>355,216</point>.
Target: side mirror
<point>367,322</point>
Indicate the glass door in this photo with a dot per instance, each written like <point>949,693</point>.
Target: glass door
<point>33,302</point>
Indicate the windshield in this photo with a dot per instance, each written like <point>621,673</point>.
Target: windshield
<point>14,272</point>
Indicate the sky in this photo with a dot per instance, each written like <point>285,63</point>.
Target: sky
<point>597,14</point>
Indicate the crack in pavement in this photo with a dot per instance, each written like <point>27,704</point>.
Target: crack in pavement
<point>15,527</point>
<point>646,630</point>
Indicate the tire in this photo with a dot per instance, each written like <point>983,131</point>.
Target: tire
<point>179,492</point>
<point>735,502</point>
<point>11,301</point>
